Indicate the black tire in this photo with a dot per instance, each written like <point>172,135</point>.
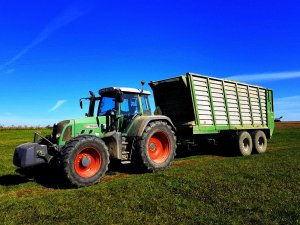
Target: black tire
<point>260,141</point>
<point>157,146</point>
<point>244,142</point>
<point>84,160</point>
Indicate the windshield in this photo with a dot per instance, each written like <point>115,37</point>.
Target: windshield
<point>106,104</point>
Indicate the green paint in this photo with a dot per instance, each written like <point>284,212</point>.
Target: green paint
<point>250,105</point>
<point>214,129</point>
<point>194,99</point>
<point>239,104</point>
<point>270,111</point>
<point>212,108</point>
<point>89,125</point>
<point>260,107</point>
<point>226,103</point>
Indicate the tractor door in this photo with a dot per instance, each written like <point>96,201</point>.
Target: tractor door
<point>129,109</point>
<point>107,109</point>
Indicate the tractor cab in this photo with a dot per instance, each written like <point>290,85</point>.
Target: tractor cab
<point>121,106</point>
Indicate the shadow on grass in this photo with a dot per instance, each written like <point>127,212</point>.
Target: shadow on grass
<point>116,167</point>
<point>224,149</point>
<point>10,180</point>
<point>51,176</point>
<point>47,175</point>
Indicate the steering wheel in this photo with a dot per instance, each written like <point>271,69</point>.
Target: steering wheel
<point>111,112</point>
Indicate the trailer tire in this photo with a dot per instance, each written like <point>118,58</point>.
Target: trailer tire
<point>244,143</point>
<point>260,141</point>
<point>157,146</point>
<point>84,160</point>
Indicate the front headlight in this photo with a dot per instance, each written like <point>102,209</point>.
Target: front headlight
<point>58,128</point>
<point>67,133</point>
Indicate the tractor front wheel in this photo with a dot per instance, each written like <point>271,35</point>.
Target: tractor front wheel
<point>157,146</point>
<point>85,160</point>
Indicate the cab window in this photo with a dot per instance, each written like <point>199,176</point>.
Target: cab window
<point>146,105</point>
<point>130,105</point>
<point>106,104</point>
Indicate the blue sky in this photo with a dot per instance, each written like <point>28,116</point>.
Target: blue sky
<point>53,52</point>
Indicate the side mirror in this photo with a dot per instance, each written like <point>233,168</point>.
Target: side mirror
<point>80,103</point>
<point>120,97</point>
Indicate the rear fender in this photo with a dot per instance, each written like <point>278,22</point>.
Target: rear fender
<point>140,123</point>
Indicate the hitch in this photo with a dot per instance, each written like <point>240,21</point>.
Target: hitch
<point>51,147</point>
<point>36,139</point>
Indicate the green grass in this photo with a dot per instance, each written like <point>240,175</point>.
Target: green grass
<point>199,189</point>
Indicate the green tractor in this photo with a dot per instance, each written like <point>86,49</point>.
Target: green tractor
<point>118,125</point>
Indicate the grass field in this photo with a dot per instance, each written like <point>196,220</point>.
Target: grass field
<point>203,188</point>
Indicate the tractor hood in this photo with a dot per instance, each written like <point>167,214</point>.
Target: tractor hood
<point>89,125</point>
<point>68,129</point>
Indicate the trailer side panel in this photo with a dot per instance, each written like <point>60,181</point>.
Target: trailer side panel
<point>214,105</point>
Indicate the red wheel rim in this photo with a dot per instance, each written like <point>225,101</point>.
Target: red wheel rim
<point>87,162</point>
<point>159,147</point>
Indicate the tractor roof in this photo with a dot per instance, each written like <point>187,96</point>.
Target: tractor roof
<point>123,89</point>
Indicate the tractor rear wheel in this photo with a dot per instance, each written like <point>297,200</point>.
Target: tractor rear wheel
<point>259,141</point>
<point>157,146</point>
<point>84,160</point>
<point>244,142</point>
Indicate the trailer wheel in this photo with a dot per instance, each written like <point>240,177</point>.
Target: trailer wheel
<point>244,143</point>
<point>259,141</point>
<point>157,146</point>
<point>84,160</point>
